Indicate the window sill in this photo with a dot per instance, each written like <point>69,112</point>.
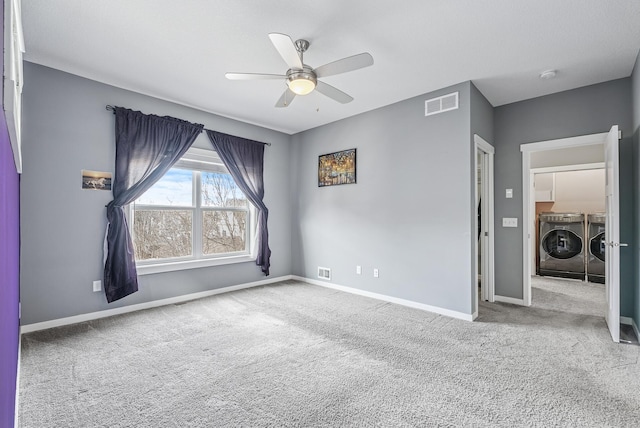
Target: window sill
<point>148,269</point>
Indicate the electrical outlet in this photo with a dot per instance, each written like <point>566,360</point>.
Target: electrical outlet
<point>359,270</point>
<point>97,285</point>
<point>376,274</point>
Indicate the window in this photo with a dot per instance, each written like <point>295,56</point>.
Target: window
<point>195,213</point>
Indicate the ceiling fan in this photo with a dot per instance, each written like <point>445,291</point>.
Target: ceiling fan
<point>302,79</point>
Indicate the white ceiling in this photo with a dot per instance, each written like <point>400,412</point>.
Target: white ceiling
<point>180,50</point>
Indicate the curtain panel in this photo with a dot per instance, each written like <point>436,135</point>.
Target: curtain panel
<point>245,161</point>
<point>147,146</point>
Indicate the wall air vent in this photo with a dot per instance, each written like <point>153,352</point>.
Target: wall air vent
<point>441,104</point>
<point>324,273</point>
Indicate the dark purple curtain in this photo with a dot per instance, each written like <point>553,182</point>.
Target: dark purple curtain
<point>146,148</point>
<point>245,161</point>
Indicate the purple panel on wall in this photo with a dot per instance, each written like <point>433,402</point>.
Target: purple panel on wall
<point>9,270</point>
<point>9,277</point>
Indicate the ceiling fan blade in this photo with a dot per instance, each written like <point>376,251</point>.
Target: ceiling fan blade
<point>345,64</point>
<point>253,76</point>
<point>333,93</point>
<point>287,50</point>
<point>286,98</point>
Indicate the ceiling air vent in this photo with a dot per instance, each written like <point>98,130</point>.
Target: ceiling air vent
<point>441,104</point>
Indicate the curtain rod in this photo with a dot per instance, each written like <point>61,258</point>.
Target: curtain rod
<point>113,109</point>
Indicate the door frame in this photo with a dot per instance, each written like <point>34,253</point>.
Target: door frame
<point>528,210</point>
<point>550,169</point>
<point>487,215</point>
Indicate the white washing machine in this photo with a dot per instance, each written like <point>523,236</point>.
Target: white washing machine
<point>562,245</point>
<point>596,247</point>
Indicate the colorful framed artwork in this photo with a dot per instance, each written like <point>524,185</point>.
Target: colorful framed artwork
<point>337,168</point>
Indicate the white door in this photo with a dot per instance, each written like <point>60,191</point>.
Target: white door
<point>486,216</point>
<point>485,241</point>
<point>612,233</point>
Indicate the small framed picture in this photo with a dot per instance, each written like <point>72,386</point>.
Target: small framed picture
<point>337,168</point>
<point>96,180</point>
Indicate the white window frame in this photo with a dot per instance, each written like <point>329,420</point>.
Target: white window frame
<point>198,160</point>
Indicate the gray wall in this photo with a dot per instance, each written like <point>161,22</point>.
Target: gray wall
<point>409,213</point>
<point>635,87</point>
<point>67,129</point>
<point>587,110</point>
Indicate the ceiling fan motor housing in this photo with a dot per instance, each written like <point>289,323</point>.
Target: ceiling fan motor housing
<point>304,79</point>
<point>306,73</point>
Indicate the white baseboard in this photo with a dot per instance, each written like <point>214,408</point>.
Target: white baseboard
<point>505,299</point>
<point>630,321</point>
<point>15,416</point>
<point>383,297</point>
<point>147,305</point>
<point>626,320</point>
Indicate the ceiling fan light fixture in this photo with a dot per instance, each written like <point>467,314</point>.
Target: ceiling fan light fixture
<point>301,82</point>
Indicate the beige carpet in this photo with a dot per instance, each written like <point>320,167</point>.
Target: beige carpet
<point>293,354</point>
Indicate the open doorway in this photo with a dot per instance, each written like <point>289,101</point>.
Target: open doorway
<point>567,238</point>
<point>483,285</point>
<point>569,211</point>
<point>570,153</point>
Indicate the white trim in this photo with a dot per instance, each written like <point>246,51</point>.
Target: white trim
<point>482,145</point>
<point>528,208</point>
<point>474,316</point>
<point>204,156</point>
<point>14,48</point>
<point>532,199</point>
<point>564,168</point>
<point>630,321</point>
<point>383,297</point>
<point>513,301</point>
<point>149,269</point>
<point>527,194</point>
<point>17,406</point>
<point>564,143</point>
<point>147,305</point>
<point>626,320</point>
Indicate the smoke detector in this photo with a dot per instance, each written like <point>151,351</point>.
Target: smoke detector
<point>548,74</point>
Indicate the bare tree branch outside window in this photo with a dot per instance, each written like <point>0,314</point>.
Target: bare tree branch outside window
<point>163,229</point>
<point>223,231</point>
